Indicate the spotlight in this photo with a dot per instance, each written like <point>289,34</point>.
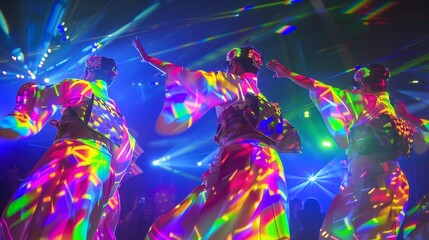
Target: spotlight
<point>65,38</point>
<point>326,143</point>
<point>312,178</point>
<point>154,83</point>
<point>306,114</point>
<point>160,160</point>
<point>199,164</point>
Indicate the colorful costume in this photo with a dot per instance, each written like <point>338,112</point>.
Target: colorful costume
<point>372,205</point>
<point>66,192</point>
<point>244,194</point>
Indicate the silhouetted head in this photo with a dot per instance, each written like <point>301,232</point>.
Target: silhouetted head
<point>97,67</point>
<point>312,205</point>
<point>372,75</point>
<point>249,59</point>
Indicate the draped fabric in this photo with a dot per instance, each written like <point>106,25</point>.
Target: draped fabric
<point>66,192</point>
<point>416,223</point>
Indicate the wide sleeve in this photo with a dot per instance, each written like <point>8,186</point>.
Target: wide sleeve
<point>340,109</point>
<point>29,115</point>
<point>190,94</point>
<point>36,104</point>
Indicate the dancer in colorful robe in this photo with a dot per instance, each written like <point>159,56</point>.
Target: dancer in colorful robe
<point>243,194</point>
<point>364,122</point>
<point>67,190</point>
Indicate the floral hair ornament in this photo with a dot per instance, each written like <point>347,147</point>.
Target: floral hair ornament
<point>360,74</point>
<point>251,53</point>
<point>93,63</point>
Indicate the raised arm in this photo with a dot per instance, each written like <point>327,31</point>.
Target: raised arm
<point>282,72</point>
<point>155,62</point>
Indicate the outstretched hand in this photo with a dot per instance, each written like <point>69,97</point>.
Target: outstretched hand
<point>279,70</point>
<point>144,56</point>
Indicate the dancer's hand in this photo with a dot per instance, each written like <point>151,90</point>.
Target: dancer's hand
<point>279,70</point>
<point>144,56</point>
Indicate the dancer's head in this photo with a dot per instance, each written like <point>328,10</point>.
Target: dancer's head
<point>243,59</point>
<point>371,77</point>
<point>97,67</point>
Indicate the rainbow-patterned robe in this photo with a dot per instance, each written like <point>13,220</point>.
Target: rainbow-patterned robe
<point>244,193</point>
<point>66,192</point>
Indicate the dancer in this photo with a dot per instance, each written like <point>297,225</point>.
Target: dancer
<point>364,122</point>
<point>243,195</point>
<point>67,190</point>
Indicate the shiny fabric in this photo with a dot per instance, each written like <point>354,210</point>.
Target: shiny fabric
<point>110,219</point>
<point>416,223</point>
<point>372,206</point>
<point>66,192</point>
<point>243,194</point>
<point>382,134</point>
<point>191,94</point>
